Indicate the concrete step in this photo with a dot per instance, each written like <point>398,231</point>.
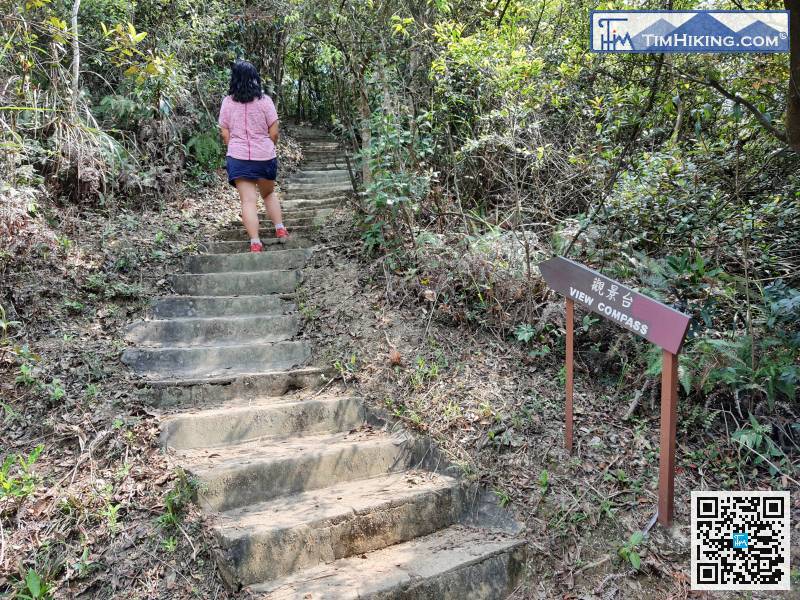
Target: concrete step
<point>324,163</point>
<point>246,283</point>
<point>309,137</point>
<point>278,537</point>
<point>290,219</point>
<point>458,563</point>
<point>271,244</point>
<point>240,421</point>
<point>243,245</point>
<point>255,471</point>
<point>322,148</point>
<point>324,158</point>
<point>339,188</point>
<point>303,230</point>
<point>308,172</point>
<point>233,246</point>
<point>191,331</point>
<point>204,391</point>
<point>171,307</point>
<point>309,213</point>
<point>315,193</point>
<point>312,203</point>
<point>216,360</point>
<point>317,181</point>
<point>324,176</point>
<point>298,222</point>
<point>335,155</point>
<point>309,176</point>
<point>323,140</point>
<point>306,133</point>
<point>324,166</point>
<point>322,202</point>
<point>263,261</point>
<point>323,152</point>
<point>237,233</point>
<point>291,216</point>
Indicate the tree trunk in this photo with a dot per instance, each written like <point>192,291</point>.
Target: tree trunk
<point>793,97</point>
<point>299,106</point>
<point>76,54</point>
<point>366,135</point>
<point>281,67</point>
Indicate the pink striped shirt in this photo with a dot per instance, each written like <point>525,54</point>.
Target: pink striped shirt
<point>249,125</point>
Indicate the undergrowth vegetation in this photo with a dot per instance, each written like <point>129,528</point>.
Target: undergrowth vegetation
<point>488,139</point>
<point>100,109</point>
<point>110,177</point>
<point>88,505</point>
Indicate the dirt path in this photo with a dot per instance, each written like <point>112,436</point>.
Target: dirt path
<point>310,496</point>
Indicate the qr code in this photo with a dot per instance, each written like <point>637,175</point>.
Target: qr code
<point>740,541</point>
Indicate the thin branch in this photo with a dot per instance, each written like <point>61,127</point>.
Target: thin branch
<point>768,461</point>
<point>76,53</point>
<point>713,83</point>
<point>618,167</point>
<point>503,13</point>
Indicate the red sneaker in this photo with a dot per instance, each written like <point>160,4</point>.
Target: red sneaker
<point>282,234</point>
<point>256,247</point>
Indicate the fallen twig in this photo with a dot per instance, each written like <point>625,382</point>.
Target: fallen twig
<point>593,564</point>
<point>768,461</point>
<point>576,502</point>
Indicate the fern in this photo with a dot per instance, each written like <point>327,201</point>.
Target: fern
<point>205,149</point>
<point>122,111</point>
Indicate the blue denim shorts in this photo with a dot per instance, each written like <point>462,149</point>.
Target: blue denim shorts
<point>251,169</point>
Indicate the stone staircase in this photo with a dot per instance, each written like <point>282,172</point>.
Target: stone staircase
<point>311,495</point>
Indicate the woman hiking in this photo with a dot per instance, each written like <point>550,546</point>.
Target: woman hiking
<point>249,126</point>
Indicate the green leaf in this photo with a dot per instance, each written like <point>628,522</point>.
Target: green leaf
<point>635,559</point>
<point>685,378</point>
<point>636,538</point>
<point>34,583</point>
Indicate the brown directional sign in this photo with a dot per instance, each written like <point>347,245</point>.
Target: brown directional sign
<point>652,320</point>
<point>656,322</point>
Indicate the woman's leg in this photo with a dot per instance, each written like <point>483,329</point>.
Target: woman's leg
<point>271,202</point>
<point>248,194</point>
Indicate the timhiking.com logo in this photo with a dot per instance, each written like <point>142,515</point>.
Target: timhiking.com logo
<point>690,31</point>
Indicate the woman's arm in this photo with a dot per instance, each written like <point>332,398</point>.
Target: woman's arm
<point>273,133</point>
<point>224,122</point>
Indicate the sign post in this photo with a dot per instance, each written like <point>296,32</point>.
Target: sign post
<point>669,419</point>
<point>570,383</point>
<point>656,322</point>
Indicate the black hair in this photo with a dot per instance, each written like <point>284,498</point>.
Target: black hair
<point>245,82</point>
